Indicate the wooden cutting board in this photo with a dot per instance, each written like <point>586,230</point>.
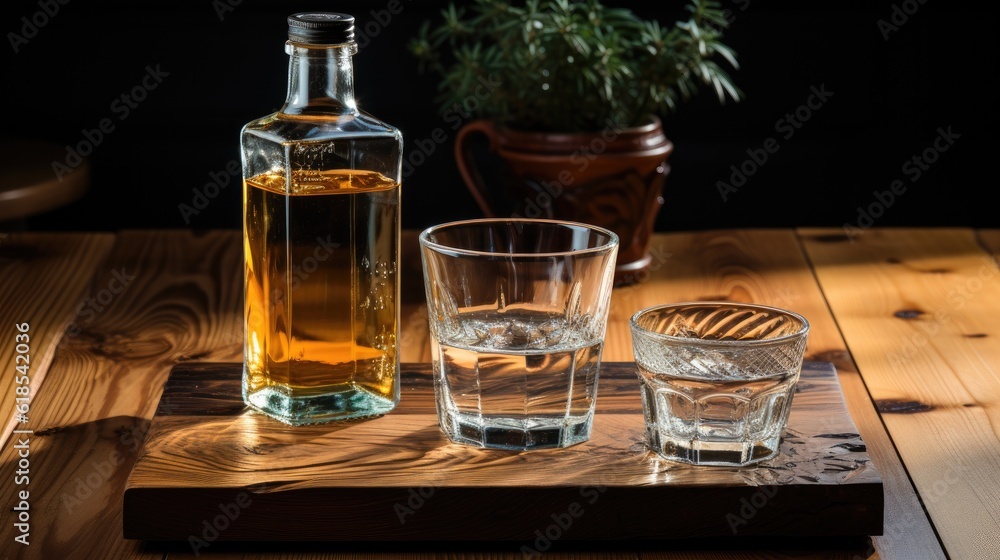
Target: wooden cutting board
<point>210,469</point>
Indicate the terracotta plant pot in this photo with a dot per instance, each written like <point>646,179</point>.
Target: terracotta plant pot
<point>611,178</point>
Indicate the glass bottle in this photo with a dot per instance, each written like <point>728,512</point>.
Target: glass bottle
<point>321,227</point>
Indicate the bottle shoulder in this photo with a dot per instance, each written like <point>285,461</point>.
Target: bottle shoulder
<point>284,128</point>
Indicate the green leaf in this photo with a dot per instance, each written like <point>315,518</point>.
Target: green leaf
<point>597,62</point>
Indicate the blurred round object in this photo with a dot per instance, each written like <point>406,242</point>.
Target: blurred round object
<point>36,178</point>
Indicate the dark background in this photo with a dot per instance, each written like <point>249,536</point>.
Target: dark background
<point>889,99</point>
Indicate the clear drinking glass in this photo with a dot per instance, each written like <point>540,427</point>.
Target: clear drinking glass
<point>717,378</point>
<point>518,310</point>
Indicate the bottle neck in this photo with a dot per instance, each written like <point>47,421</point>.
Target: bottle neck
<point>320,80</point>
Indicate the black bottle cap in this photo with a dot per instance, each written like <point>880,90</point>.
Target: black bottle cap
<point>321,28</point>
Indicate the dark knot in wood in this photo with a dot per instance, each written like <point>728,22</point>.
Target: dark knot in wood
<point>908,313</point>
<point>902,407</point>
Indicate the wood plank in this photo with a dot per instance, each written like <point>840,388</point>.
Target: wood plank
<point>415,346</point>
<point>841,549</point>
<point>98,547</point>
<point>360,481</point>
<point>990,240</point>
<point>102,387</point>
<point>411,551</point>
<point>763,266</point>
<point>768,267</point>
<point>924,334</point>
<point>43,277</point>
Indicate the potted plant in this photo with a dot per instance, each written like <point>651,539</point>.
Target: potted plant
<point>574,105</point>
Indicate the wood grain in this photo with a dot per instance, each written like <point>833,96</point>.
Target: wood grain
<point>763,266</point>
<point>694,549</point>
<point>415,346</point>
<point>990,240</point>
<point>781,275</point>
<point>397,477</point>
<point>43,277</point>
<point>92,413</point>
<point>768,267</point>
<point>382,551</point>
<point>924,334</point>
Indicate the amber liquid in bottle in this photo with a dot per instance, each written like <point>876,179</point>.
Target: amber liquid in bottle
<point>321,227</point>
<point>320,287</point>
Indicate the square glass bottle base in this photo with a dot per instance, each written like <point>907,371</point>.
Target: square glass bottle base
<point>351,403</point>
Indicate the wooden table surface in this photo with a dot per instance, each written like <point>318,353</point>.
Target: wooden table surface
<point>910,317</point>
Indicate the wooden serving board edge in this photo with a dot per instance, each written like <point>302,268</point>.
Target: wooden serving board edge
<point>280,512</point>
